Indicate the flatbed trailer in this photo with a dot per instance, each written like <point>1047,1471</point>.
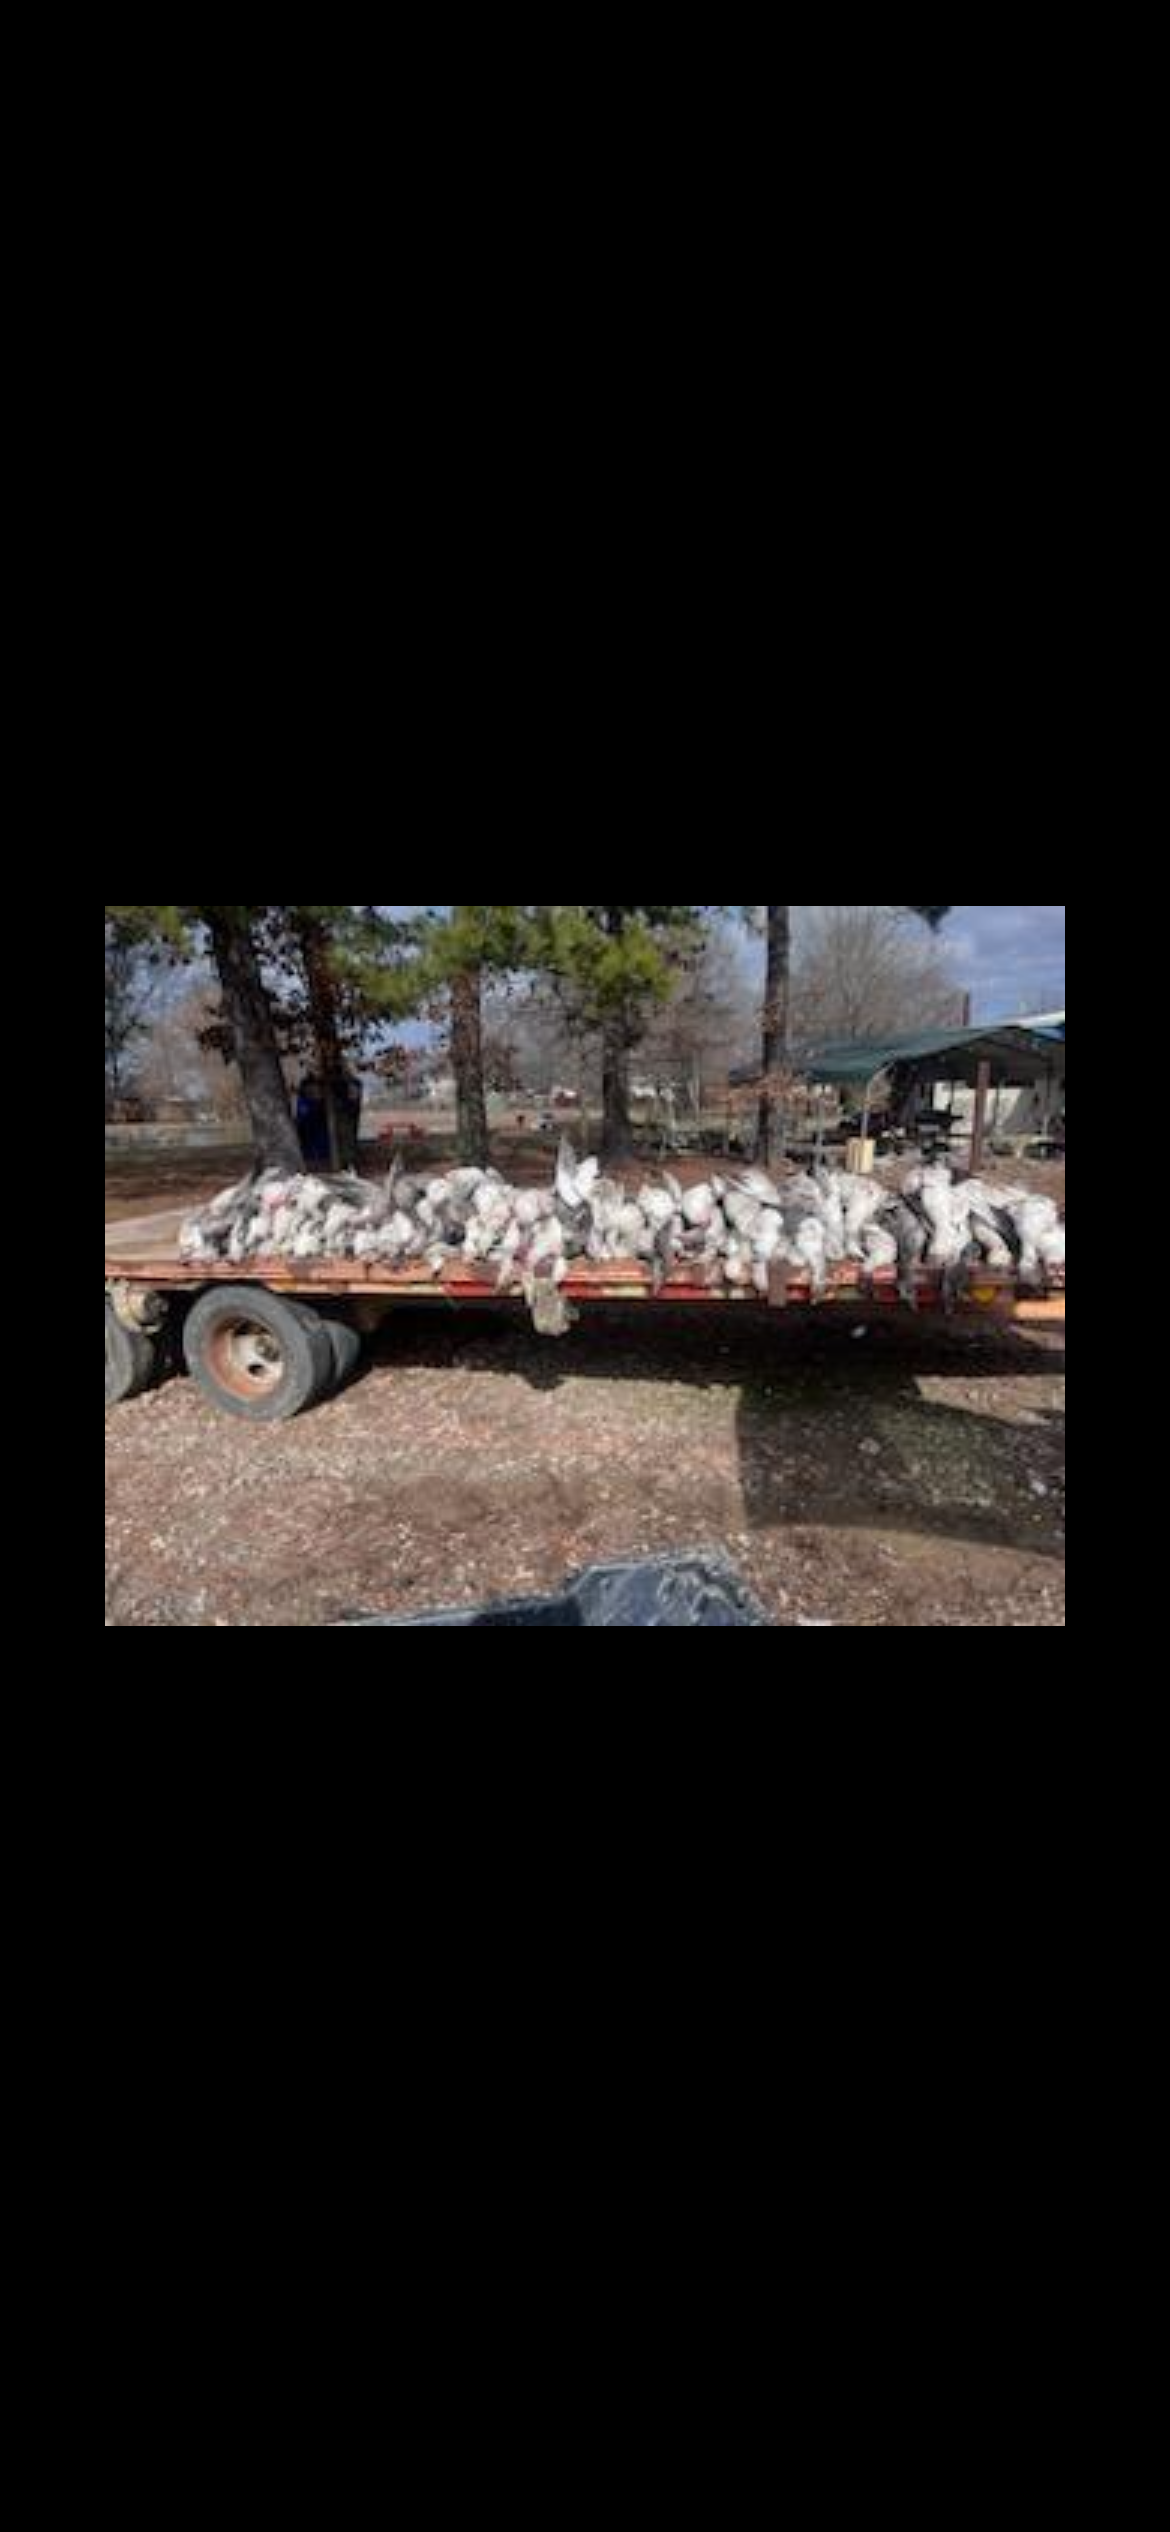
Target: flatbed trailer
<point>270,1337</point>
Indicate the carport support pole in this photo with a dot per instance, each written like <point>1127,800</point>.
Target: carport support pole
<point>979,1129</point>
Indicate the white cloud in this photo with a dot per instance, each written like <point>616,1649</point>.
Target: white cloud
<point>1012,957</point>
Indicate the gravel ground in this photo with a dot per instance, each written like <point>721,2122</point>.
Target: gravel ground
<point>912,1478</point>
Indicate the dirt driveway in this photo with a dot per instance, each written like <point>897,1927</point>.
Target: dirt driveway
<point>912,1477</point>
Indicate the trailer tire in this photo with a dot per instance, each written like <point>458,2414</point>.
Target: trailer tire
<point>257,1356</point>
<point>131,1359</point>
<point>346,1345</point>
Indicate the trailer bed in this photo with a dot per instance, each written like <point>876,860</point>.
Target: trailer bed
<point>145,1252</point>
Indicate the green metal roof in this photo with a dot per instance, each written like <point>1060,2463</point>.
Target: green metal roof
<point>1017,1056</point>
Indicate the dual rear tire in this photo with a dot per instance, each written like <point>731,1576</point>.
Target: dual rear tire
<point>132,1359</point>
<point>347,1348</point>
<point>265,1359</point>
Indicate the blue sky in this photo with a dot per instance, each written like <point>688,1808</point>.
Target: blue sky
<point>1011,957</point>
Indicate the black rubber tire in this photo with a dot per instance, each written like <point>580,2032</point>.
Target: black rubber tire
<point>131,1359</point>
<point>255,1355</point>
<point>346,1344</point>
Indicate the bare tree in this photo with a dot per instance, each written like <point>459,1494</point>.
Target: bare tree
<point>183,1058</point>
<point>711,1023</point>
<point>777,1031</point>
<point>868,972</point>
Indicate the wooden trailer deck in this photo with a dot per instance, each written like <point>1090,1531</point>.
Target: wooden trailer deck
<point>145,1252</point>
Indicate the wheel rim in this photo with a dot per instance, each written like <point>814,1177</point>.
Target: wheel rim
<point>246,1359</point>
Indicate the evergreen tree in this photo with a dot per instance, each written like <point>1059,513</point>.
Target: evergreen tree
<point>437,963</point>
<point>619,962</point>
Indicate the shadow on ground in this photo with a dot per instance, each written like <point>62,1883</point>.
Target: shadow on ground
<point>925,1427</point>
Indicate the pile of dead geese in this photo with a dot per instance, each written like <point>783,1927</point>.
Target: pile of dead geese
<point>733,1230</point>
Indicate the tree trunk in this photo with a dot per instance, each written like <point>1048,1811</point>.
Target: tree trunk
<point>330,1053</point>
<point>467,1060</point>
<point>777,1019</point>
<point>249,1016</point>
<point>617,1132</point>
